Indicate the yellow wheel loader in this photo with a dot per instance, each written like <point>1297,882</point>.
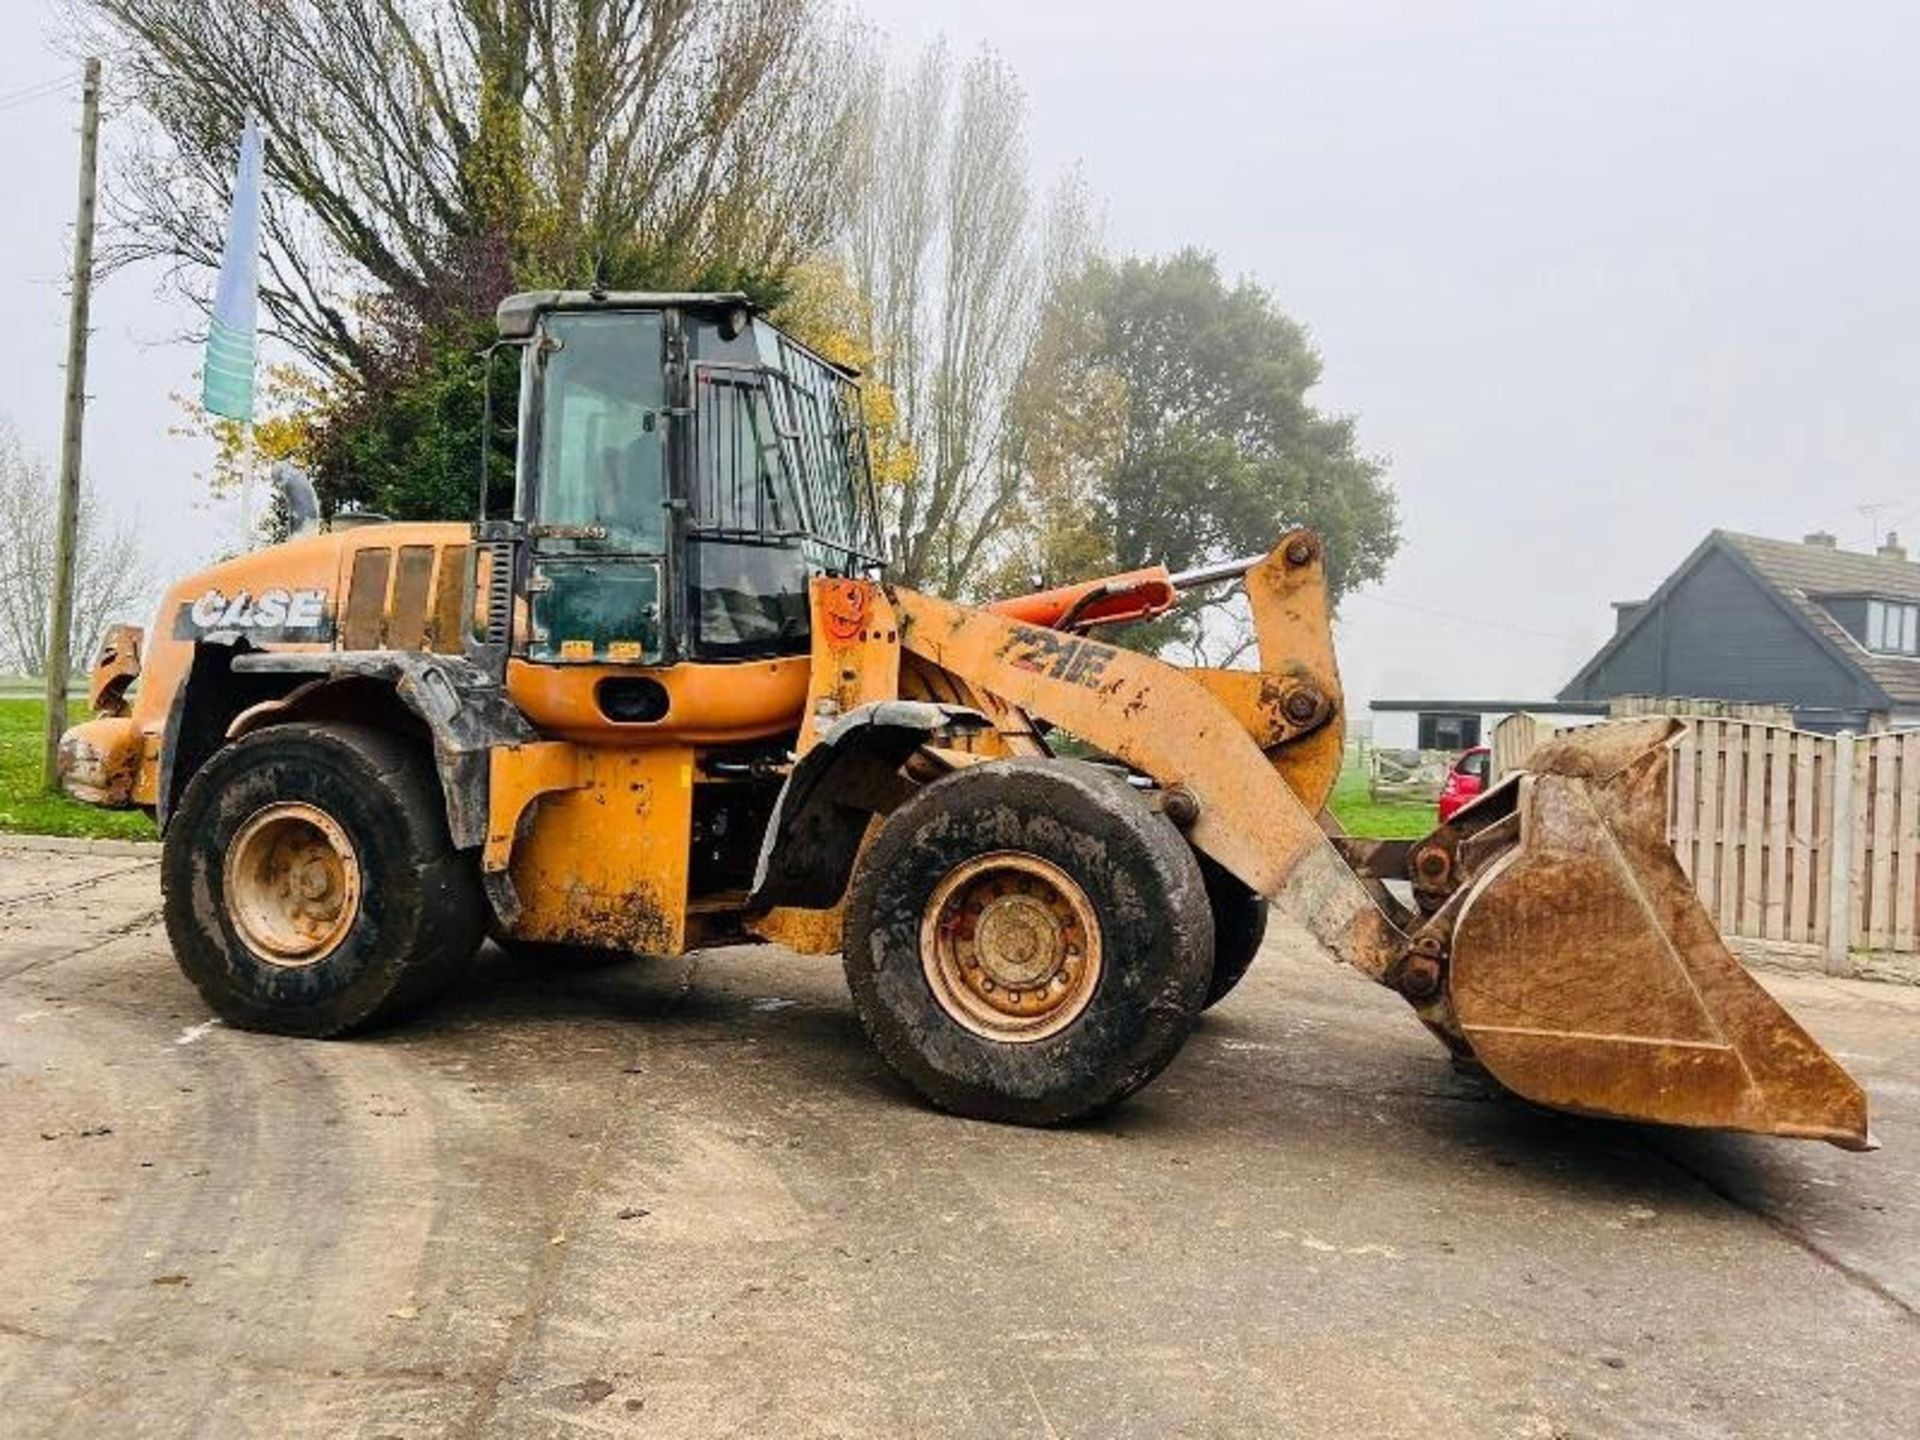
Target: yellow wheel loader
<point>672,703</point>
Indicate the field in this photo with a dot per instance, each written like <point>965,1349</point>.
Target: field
<point>25,809</point>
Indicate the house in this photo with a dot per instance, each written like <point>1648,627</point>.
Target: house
<point>1832,635</point>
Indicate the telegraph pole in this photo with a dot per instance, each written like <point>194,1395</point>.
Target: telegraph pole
<point>68,524</point>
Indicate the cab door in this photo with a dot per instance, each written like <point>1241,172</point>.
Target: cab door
<point>599,526</point>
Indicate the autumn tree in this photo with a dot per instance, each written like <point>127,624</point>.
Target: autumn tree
<point>825,310</point>
<point>424,158</point>
<point>1066,417</point>
<point>662,141</point>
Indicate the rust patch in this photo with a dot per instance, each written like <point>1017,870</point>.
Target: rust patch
<point>99,761</point>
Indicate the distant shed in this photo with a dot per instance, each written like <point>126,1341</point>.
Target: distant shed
<point>1455,725</point>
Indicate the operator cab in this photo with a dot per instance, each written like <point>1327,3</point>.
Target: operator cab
<point>684,468</point>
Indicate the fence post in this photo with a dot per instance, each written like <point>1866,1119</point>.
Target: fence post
<point>1840,859</point>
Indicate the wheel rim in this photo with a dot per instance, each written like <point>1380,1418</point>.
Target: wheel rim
<point>292,884</point>
<point>1011,946</point>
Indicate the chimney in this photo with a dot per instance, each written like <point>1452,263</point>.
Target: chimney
<point>1893,549</point>
<point>1823,540</point>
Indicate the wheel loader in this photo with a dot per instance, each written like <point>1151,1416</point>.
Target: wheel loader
<point>672,702</point>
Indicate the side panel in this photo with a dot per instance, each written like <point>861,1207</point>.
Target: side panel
<point>406,594</point>
<point>856,654</point>
<point>605,864</point>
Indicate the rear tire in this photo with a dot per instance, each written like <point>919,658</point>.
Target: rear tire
<point>1239,925</point>
<point>310,885</point>
<point>1058,881</point>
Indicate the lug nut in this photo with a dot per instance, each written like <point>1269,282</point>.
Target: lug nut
<point>1301,706</point>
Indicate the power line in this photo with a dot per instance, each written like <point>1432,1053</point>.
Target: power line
<point>1480,621</point>
<point>42,90</point>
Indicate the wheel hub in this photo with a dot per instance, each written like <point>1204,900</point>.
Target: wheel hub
<point>292,884</point>
<point>1011,946</point>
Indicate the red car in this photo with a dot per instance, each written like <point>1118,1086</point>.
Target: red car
<point>1470,775</point>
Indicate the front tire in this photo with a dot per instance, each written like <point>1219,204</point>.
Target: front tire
<point>310,885</point>
<point>1027,941</point>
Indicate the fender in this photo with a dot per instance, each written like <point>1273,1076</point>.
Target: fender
<point>464,708</point>
<point>852,774</point>
<point>201,708</point>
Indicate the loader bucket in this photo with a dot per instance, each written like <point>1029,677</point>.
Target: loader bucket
<point>1586,975</point>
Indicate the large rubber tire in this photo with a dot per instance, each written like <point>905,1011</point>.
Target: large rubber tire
<point>420,912</point>
<point>1239,925</point>
<point>1142,884</point>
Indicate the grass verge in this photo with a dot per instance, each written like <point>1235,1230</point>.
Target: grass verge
<point>1380,820</point>
<point>25,809</point>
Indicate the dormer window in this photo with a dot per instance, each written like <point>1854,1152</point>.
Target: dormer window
<point>1893,627</point>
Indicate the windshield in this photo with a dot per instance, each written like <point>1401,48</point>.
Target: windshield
<point>602,459</point>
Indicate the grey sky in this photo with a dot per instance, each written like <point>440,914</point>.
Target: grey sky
<point>1596,278</point>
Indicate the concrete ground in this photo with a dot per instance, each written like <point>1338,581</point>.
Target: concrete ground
<point>684,1198</point>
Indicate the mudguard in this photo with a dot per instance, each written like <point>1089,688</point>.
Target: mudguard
<point>852,774</point>
<point>464,708</point>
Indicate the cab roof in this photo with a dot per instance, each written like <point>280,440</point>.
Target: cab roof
<point>519,314</point>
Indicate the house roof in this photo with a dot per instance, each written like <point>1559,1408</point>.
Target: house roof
<point>1803,572</point>
<point>1796,574</point>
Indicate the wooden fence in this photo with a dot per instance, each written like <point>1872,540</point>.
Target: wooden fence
<point>1406,776</point>
<point>1804,848</point>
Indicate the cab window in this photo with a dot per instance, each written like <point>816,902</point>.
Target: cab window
<point>602,469</point>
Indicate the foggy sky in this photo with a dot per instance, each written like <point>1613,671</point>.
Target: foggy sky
<point>1594,278</point>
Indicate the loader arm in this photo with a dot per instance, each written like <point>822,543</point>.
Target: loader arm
<point>1554,939</point>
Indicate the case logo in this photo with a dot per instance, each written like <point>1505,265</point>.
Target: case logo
<point>281,610</point>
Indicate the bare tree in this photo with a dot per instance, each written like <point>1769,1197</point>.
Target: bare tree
<point>110,577</point>
<point>1065,414</point>
<point>686,138</point>
<point>944,242</point>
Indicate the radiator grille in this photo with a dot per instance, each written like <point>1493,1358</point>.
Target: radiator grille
<point>499,592</point>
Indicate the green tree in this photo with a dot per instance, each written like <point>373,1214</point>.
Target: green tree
<point>1168,418</point>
